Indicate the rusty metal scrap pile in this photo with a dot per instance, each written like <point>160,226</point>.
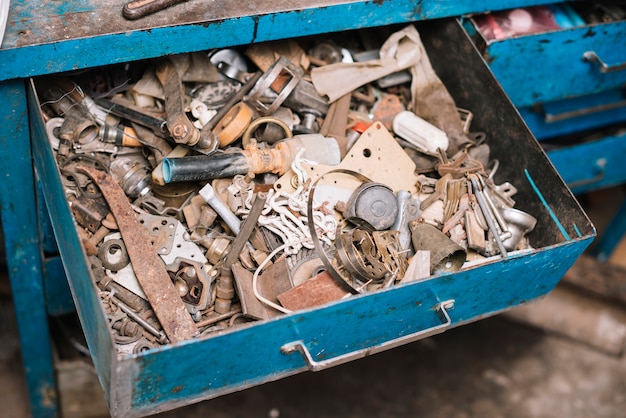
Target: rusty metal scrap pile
<point>217,188</point>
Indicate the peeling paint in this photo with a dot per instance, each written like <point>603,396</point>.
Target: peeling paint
<point>256,28</point>
<point>589,33</point>
<point>48,396</point>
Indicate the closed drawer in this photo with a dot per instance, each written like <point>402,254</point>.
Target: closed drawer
<point>592,165</point>
<point>173,375</point>
<point>558,64</point>
<point>568,116</point>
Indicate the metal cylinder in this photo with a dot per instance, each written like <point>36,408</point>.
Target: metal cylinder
<point>200,167</point>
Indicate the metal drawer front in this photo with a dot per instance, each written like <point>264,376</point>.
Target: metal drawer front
<point>564,63</point>
<point>179,374</point>
<point>592,165</point>
<point>578,114</point>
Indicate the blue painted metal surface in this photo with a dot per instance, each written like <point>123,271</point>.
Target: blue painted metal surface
<point>48,242</point>
<point>58,296</point>
<point>92,33</point>
<point>175,375</point>
<point>592,165</point>
<point>52,36</point>
<point>251,356</point>
<point>558,70</point>
<point>569,116</point>
<point>24,258</point>
<point>91,314</point>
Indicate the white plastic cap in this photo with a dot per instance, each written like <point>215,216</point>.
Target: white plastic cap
<point>425,136</point>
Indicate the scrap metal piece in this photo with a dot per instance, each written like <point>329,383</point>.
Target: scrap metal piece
<point>304,265</point>
<point>316,291</point>
<point>270,82</point>
<point>225,289</point>
<point>170,239</point>
<point>140,8</point>
<point>149,269</point>
<point>250,305</point>
<point>485,209</point>
<point>376,155</point>
<point>89,212</point>
<point>180,127</point>
<point>137,116</point>
<point>408,210</point>
<point>193,284</point>
<point>374,203</point>
<point>445,255</point>
<point>112,253</point>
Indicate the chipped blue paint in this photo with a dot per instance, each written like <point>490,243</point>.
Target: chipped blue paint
<point>23,252</point>
<point>558,53</point>
<point>147,383</point>
<point>91,314</point>
<point>42,55</point>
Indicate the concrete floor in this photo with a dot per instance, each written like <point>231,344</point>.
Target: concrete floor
<point>491,368</point>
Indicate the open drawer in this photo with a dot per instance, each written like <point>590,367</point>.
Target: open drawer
<point>173,375</point>
<point>557,63</point>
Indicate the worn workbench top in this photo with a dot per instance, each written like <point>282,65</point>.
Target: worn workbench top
<point>52,36</point>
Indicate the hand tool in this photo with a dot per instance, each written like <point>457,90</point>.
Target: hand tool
<point>141,8</point>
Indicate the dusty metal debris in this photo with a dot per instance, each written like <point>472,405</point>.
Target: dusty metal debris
<point>241,193</point>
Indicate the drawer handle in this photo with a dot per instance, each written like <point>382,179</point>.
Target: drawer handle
<point>314,365</point>
<point>591,56</point>
<point>559,117</point>
<point>600,165</point>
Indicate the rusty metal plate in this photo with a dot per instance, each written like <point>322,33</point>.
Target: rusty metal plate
<point>149,269</point>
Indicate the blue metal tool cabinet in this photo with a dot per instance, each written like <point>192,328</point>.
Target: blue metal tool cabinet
<point>576,85</point>
<point>53,37</point>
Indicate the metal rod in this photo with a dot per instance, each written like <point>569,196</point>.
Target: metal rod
<point>485,209</point>
<point>216,319</point>
<point>140,320</point>
<point>247,227</point>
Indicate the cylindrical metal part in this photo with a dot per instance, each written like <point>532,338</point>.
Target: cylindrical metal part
<point>375,203</point>
<point>133,174</point>
<point>233,222</point>
<point>140,320</point>
<point>200,167</point>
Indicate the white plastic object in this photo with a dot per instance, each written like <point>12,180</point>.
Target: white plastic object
<point>415,130</point>
<point>4,15</point>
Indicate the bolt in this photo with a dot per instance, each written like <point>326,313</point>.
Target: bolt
<point>180,131</point>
